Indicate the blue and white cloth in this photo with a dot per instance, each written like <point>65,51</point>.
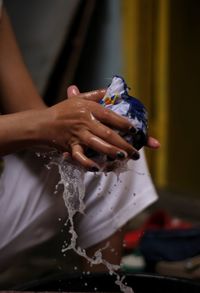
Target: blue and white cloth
<point>118,100</point>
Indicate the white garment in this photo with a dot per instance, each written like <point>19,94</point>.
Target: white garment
<point>27,194</point>
<point>33,216</point>
<point>112,201</point>
<point>30,227</point>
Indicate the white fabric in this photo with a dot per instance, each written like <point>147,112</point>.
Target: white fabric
<point>33,216</point>
<point>112,201</point>
<point>27,194</point>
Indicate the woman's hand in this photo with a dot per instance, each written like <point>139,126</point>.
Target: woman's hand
<point>96,96</point>
<point>80,122</point>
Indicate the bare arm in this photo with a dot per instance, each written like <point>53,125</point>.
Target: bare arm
<point>17,93</point>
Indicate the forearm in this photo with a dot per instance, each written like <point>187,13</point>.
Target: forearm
<point>17,91</point>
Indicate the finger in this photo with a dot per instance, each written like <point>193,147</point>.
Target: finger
<point>94,96</point>
<point>110,118</point>
<point>72,91</point>
<point>101,146</point>
<point>78,155</point>
<point>153,143</point>
<point>112,137</point>
<point>105,115</point>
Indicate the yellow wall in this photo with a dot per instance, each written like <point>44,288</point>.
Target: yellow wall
<point>161,46</point>
<point>145,35</point>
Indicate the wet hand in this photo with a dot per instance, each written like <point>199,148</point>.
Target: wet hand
<point>80,122</point>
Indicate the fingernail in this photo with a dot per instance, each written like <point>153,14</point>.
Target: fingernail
<point>94,169</point>
<point>121,155</point>
<point>135,156</point>
<point>156,142</point>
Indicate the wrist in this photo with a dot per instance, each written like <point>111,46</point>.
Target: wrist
<point>20,131</point>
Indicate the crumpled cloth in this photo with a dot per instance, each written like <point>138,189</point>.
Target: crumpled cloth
<point>118,100</point>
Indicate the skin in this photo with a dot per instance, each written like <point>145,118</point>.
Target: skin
<point>69,126</point>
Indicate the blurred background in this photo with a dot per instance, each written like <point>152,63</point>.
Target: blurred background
<point>154,45</point>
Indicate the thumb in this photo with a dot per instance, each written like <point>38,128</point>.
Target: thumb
<point>72,91</point>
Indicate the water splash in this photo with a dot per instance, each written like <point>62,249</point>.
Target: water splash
<point>72,178</point>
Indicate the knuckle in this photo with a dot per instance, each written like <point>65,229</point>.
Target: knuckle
<point>83,112</point>
<point>89,141</point>
<point>107,133</point>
